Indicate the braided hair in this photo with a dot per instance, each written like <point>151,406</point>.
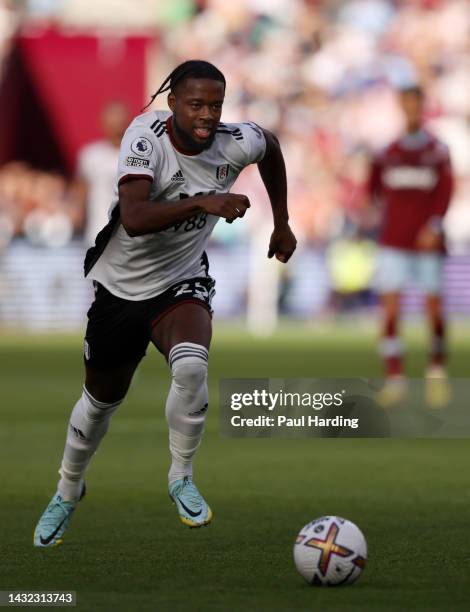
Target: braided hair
<point>198,69</point>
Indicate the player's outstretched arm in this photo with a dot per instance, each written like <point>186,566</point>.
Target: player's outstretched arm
<point>141,216</point>
<point>273,173</point>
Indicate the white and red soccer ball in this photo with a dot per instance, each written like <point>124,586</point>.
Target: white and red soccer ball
<point>330,551</point>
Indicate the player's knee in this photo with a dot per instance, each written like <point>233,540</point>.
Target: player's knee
<point>187,402</point>
<point>109,385</point>
<point>188,363</point>
<point>191,375</point>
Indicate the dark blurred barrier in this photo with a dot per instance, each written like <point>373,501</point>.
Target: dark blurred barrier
<point>45,289</point>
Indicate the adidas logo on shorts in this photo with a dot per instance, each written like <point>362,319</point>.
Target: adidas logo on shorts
<point>177,177</point>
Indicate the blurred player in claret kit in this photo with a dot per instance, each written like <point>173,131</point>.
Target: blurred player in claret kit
<point>412,179</point>
<point>151,275</point>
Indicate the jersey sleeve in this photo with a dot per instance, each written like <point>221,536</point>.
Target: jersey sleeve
<point>253,142</point>
<point>444,186</point>
<point>138,155</point>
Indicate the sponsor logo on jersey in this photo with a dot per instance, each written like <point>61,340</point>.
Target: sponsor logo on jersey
<point>222,172</point>
<point>177,177</point>
<point>135,162</point>
<point>410,177</point>
<point>142,147</point>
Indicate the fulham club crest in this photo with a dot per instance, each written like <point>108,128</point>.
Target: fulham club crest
<point>222,172</point>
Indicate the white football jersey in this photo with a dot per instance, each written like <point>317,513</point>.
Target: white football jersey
<point>141,267</point>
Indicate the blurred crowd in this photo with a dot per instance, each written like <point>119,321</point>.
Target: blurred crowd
<point>38,205</point>
<point>321,75</point>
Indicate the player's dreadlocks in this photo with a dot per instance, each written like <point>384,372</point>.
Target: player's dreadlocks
<point>198,69</point>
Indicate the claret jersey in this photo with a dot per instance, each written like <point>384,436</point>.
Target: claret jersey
<point>413,179</point>
<point>141,267</point>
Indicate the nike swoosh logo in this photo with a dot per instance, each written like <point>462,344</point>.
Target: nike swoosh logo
<point>190,512</point>
<point>49,539</point>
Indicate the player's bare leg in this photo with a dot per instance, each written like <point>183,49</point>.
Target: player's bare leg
<point>109,385</point>
<point>391,350</point>
<point>437,386</point>
<point>183,336</point>
<point>102,394</point>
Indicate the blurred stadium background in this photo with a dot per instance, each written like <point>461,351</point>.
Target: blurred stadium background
<point>319,74</point>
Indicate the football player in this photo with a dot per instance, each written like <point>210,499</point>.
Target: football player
<point>151,275</point>
<point>412,178</point>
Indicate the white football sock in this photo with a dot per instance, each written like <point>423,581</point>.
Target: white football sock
<point>88,424</point>
<point>186,405</point>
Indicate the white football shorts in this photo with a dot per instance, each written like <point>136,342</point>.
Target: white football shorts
<point>397,268</point>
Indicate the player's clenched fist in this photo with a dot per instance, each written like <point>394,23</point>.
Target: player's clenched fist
<point>283,243</point>
<point>230,206</point>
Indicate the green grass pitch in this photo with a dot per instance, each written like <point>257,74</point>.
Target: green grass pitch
<point>126,549</point>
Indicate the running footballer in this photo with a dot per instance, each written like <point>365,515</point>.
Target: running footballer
<point>151,276</point>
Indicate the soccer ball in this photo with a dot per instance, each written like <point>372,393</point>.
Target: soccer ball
<point>330,551</point>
